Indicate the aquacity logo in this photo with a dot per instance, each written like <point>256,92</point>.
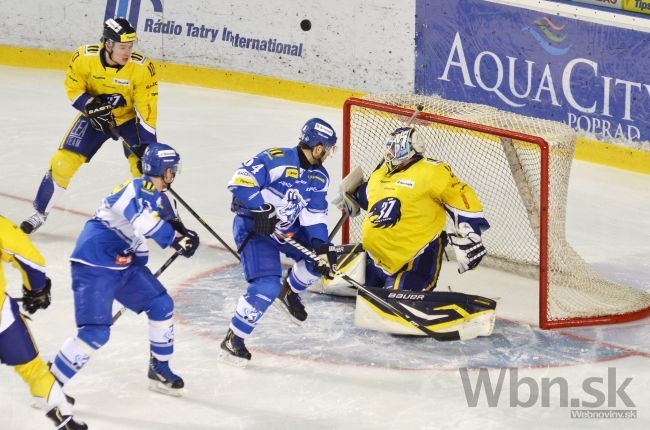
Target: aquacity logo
<point>129,9</point>
<point>549,36</point>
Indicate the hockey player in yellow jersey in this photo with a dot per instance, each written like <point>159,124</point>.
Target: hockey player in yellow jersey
<point>17,348</point>
<point>113,88</point>
<point>407,200</point>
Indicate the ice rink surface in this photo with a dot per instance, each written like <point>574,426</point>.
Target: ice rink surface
<point>326,374</point>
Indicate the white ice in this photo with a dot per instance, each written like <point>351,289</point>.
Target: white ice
<point>326,374</point>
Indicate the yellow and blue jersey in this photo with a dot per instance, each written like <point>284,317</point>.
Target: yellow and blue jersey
<point>88,76</point>
<point>19,251</point>
<point>407,209</point>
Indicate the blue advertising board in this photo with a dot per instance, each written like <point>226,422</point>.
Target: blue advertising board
<point>594,77</point>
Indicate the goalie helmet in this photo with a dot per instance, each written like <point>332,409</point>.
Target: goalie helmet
<point>401,145</point>
<point>119,30</point>
<point>316,131</point>
<point>158,157</point>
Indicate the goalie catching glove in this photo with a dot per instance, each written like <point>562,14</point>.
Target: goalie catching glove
<point>348,204</point>
<point>100,115</point>
<point>468,247</point>
<point>186,244</point>
<point>35,300</point>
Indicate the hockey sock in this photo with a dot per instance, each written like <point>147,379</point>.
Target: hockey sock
<point>47,194</point>
<point>161,339</point>
<point>72,357</point>
<point>41,384</point>
<point>252,305</point>
<point>300,277</point>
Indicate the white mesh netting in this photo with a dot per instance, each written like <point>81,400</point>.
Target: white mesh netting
<point>506,175</point>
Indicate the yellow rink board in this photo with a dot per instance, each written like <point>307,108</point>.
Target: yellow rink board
<point>586,149</point>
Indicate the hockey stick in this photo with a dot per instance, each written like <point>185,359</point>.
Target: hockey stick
<point>116,135</point>
<point>338,226</point>
<point>164,267</point>
<point>404,314</point>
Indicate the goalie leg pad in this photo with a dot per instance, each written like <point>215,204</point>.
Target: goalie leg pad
<point>442,312</point>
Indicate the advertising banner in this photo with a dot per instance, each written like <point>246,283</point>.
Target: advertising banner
<point>591,76</point>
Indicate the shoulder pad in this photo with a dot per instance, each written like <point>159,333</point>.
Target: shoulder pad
<point>91,49</point>
<point>148,187</point>
<point>138,58</point>
<point>431,161</point>
<point>274,152</point>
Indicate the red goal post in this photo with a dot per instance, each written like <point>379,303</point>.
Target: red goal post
<point>520,168</point>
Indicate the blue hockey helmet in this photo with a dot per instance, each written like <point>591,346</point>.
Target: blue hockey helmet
<point>316,131</point>
<point>158,157</point>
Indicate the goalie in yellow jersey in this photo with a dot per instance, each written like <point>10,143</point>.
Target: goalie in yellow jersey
<point>115,90</point>
<point>17,348</point>
<point>407,200</point>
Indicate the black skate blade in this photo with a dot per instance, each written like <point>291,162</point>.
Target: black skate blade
<point>278,304</point>
<point>160,387</point>
<point>232,360</point>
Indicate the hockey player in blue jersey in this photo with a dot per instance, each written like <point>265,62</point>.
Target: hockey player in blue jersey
<point>108,263</point>
<point>284,189</point>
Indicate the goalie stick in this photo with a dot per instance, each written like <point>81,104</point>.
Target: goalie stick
<point>116,135</point>
<point>404,314</point>
<point>164,267</point>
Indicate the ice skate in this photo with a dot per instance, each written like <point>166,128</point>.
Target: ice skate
<point>33,223</point>
<point>65,422</point>
<point>163,380</point>
<point>233,350</point>
<point>290,303</point>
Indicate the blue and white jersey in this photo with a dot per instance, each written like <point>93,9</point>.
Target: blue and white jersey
<point>299,195</point>
<point>115,237</point>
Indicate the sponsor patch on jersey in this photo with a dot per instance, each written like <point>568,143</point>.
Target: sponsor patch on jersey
<point>291,173</point>
<point>123,260</point>
<point>318,178</point>
<point>243,182</point>
<point>405,183</point>
<point>122,82</point>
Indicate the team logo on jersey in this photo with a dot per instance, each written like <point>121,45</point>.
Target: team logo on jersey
<point>386,212</point>
<point>289,208</point>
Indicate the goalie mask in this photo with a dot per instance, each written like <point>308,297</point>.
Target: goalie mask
<point>401,145</point>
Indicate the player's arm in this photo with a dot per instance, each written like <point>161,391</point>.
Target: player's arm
<point>18,250</point>
<point>145,98</point>
<point>247,182</point>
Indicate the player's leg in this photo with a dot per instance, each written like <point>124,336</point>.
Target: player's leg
<point>94,291</point>
<point>143,292</point>
<point>17,349</point>
<point>78,146</point>
<point>260,260</point>
<point>421,273</point>
<point>132,136</point>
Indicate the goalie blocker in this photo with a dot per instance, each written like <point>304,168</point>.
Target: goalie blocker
<point>441,312</point>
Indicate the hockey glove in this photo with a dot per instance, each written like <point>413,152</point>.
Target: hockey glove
<point>348,204</point>
<point>115,100</point>
<point>100,115</point>
<point>264,219</point>
<point>468,248</point>
<point>327,259</point>
<point>35,300</point>
<point>186,244</point>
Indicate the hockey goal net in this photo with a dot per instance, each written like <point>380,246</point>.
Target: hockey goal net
<point>519,167</point>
